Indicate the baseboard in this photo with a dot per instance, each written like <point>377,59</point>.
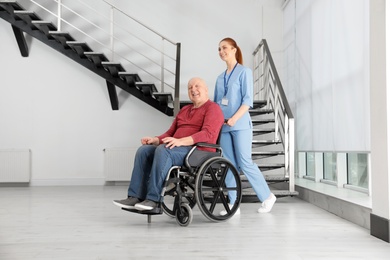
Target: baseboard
<point>380,227</point>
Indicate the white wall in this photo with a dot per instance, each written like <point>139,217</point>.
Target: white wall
<point>62,112</point>
<point>200,25</point>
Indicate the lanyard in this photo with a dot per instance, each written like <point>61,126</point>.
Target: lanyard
<point>227,82</point>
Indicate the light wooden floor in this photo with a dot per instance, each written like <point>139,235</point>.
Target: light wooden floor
<point>82,223</point>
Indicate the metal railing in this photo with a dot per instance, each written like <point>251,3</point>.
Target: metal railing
<point>267,86</point>
<point>105,28</point>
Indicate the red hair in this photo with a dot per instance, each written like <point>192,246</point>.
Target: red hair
<point>238,52</point>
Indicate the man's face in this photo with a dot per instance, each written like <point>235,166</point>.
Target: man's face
<point>197,91</point>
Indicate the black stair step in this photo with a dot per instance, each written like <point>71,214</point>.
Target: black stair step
<point>45,27</point>
<point>96,57</point>
<point>130,78</point>
<point>262,131</point>
<point>259,103</point>
<point>185,103</point>
<point>113,67</point>
<point>28,17</point>
<point>260,111</point>
<point>259,143</point>
<point>268,178</point>
<point>79,48</point>
<point>262,121</point>
<point>163,98</point>
<point>147,88</point>
<point>62,37</point>
<point>270,166</point>
<point>264,154</point>
<point>250,195</point>
<point>10,7</point>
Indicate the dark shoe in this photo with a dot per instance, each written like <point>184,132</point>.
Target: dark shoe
<point>127,203</point>
<point>146,205</point>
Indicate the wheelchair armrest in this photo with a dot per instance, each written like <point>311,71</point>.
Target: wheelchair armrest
<point>208,145</point>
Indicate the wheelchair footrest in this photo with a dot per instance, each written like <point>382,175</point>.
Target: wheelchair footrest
<point>155,211</point>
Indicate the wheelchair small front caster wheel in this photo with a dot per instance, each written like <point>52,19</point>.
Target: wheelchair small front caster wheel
<point>184,215</point>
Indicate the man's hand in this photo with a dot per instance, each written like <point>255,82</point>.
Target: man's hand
<point>172,142</point>
<point>150,140</point>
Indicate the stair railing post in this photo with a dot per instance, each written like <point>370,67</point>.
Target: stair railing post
<point>277,107</point>
<point>291,154</point>
<point>59,15</point>
<point>176,101</point>
<point>112,33</point>
<point>162,65</point>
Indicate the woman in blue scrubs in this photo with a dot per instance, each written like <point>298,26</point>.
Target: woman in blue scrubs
<point>234,94</point>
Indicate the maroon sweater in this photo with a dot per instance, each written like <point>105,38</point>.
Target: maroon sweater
<point>203,124</point>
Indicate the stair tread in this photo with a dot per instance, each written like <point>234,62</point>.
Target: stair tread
<point>271,164</point>
<point>263,130</point>
<point>265,141</point>
<point>261,110</point>
<point>162,94</point>
<point>59,32</point>
<point>129,77</point>
<point>15,5</point>
<point>27,13</point>
<point>76,43</point>
<point>42,22</point>
<point>145,83</point>
<point>268,152</point>
<point>275,192</point>
<point>263,120</point>
<point>94,53</point>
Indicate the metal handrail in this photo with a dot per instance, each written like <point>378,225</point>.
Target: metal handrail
<point>267,86</point>
<point>169,72</point>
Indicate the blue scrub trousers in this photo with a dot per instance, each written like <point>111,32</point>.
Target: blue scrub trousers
<point>151,166</point>
<point>237,148</point>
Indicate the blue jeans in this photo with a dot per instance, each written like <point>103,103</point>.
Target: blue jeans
<point>151,166</point>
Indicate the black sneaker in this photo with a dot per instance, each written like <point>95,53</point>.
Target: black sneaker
<point>127,203</point>
<point>146,205</point>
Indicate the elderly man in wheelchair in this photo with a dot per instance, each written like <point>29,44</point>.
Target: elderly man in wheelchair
<point>184,163</point>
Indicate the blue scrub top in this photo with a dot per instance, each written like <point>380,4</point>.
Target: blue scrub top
<point>239,92</point>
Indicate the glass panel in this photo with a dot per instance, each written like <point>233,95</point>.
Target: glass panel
<point>310,164</point>
<point>357,169</point>
<point>330,166</point>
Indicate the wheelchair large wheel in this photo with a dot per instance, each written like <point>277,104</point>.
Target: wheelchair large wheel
<point>184,215</point>
<point>211,191</point>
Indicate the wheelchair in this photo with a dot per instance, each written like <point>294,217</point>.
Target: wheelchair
<point>200,181</point>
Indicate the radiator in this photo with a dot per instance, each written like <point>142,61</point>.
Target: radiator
<point>118,163</point>
<point>15,165</point>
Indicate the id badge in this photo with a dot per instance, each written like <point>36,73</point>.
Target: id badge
<point>225,101</point>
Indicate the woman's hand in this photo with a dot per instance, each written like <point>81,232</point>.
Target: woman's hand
<point>230,121</point>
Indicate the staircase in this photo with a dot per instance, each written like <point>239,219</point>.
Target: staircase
<point>273,129</point>
<point>24,21</point>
